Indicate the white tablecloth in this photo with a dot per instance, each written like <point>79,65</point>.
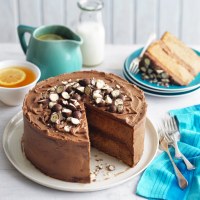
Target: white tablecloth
<point>13,185</point>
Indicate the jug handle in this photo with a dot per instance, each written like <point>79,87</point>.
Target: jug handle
<point>22,29</point>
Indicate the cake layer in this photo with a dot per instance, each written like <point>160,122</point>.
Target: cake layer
<point>116,148</point>
<point>121,141</point>
<point>110,146</point>
<point>109,125</point>
<point>184,53</point>
<point>164,59</point>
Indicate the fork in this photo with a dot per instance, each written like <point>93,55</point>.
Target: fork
<point>171,130</point>
<point>182,182</point>
<point>134,66</point>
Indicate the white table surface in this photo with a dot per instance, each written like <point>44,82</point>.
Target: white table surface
<point>13,185</point>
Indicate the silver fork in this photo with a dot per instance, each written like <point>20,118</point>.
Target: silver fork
<point>182,182</point>
<point>171,133</point>
<point>134,66</point>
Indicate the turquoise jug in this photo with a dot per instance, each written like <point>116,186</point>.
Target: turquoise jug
<point>53,57</point>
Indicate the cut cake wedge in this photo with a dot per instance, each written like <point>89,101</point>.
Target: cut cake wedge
<point>162,57</point>
<point>181,51</point>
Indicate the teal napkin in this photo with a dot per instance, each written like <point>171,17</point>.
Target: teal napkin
<point>158,180</point>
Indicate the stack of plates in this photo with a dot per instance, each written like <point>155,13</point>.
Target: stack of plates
<point>153,88</point>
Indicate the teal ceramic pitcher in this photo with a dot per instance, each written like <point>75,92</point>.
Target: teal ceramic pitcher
<point>54,55</point>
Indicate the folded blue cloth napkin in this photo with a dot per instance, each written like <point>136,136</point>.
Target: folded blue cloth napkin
<point>158,180</point>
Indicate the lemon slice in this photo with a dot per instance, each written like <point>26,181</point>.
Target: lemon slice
<point>11,76</point>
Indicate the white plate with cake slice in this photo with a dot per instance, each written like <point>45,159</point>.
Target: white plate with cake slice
<point>110,171</point>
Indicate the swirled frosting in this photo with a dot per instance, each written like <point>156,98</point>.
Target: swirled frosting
<point>38,113</point>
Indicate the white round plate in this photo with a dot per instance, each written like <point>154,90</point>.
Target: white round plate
<point>12,146</point>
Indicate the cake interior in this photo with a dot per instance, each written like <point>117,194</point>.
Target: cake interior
<point>114,138</point>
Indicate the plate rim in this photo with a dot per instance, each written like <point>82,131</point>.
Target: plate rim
<point>155,87</point>
<point>152,93</point>
<point>18,168</point>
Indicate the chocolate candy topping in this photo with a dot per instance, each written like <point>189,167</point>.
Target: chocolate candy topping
<point>67,128</point>
<point>87,90</point>
<point>60,89</point>
<point>100,84</point>
<point>120,108</point>
<point>51,104</point>
<point>76,96</point>
<point>112,109</point>
<point>66,112</point>
<point>53,97</point>
<point>115,93</point>
<point>54,117</point>
<point>118,102</point>
<point>75,121</point>
<point>57,107</point>
<point>63,101</point>
<point>65,95</point>
<point>84,82</point>
<point>77,114</point>
<point>108,100</point>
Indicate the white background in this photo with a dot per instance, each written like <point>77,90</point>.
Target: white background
<point>126,21</point>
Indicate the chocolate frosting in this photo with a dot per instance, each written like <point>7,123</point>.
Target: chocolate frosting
<point>134,104</point>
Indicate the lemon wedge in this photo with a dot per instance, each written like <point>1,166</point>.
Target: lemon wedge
<point>11,76</point>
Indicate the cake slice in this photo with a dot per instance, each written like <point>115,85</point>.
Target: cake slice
<point>169,61</point>
<point>182,52</point>
<point>163,58</point>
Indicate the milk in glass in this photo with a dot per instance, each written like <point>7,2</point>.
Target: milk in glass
<point>92,31</point>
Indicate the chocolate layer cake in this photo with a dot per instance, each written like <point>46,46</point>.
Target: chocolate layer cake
<point>56,137</point>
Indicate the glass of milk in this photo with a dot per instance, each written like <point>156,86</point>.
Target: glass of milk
<point>91,29</point>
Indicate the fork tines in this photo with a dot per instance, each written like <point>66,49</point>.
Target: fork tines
<point>168,127</point>
<point>134,67</point>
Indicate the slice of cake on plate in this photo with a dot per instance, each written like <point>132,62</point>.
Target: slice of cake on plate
<point>174,58</point>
